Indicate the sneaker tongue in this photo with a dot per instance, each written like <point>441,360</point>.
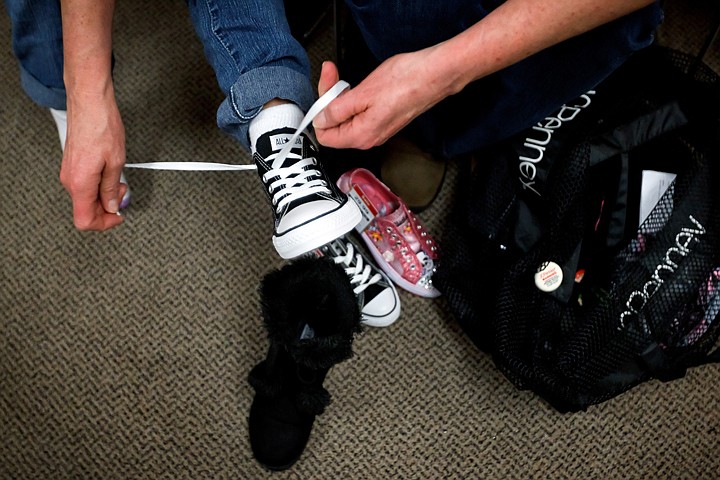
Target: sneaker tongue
<point>401,220</point>
<point>274,141</point>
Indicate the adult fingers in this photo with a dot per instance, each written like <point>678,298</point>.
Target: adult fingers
<point>110,188</point>
<point>92,216</point>
<point>88,211</point>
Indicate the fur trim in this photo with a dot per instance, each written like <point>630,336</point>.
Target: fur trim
<point>314,292</point>
<point>312,400</point>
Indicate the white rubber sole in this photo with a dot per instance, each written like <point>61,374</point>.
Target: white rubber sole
<point>418,290</point>
<point>317,233</point>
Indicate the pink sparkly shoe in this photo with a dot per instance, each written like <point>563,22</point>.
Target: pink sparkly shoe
<point>400,244</point>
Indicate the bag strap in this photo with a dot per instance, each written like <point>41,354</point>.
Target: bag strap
<point>663,367</point>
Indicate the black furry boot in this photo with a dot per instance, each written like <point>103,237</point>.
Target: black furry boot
<point>311,316</point>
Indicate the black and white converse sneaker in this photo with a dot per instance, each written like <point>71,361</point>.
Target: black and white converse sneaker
<point>376,295</point>
<point>309,209</point>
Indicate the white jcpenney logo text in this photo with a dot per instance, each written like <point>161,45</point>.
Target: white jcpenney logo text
<point>543,132</point>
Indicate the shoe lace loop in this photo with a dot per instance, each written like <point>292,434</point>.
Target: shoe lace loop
<point>316,108</point>
<point>295,181</point>
<point>360,275</point>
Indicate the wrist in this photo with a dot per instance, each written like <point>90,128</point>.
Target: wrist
<point>88,80</point>
<point>86,93</point>
<point>447,72</point>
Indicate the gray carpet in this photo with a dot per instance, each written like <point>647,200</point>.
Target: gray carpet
<point>125,354</point>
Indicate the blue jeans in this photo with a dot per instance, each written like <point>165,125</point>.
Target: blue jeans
<point>247,43</point>
<point>255,58</point>
<point>500,105</point>
<point>37,45</point>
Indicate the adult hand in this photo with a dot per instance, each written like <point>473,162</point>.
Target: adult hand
<point>95,147</point>
<point>390,97</point>
<point>408,84</point>
<point>93,161</point>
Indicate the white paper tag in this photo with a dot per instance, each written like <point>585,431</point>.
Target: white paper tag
<point>368,211</point>
<point>307,333</point>
<point>653,187</point>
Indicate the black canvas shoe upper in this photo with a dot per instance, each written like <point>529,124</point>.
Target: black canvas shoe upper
<point>297,181</point>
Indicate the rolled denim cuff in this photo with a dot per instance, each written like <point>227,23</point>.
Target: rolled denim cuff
<point>254,89</point>
<point>48,97</point>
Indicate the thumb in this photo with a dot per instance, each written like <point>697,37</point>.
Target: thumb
<point>110,189</point>
<point>334,113</point>
<point>329,76</point>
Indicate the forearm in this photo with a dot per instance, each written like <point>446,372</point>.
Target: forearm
<point>87,45</point>
<point>95,150</point>
<point>514,31</point>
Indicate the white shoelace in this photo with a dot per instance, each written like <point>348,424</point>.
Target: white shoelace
<point>358,274</point>
<point>293,182</point>
<point>286,188</point>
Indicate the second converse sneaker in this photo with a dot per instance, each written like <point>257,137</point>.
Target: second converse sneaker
<point>309,209</point>
<point>376,295</point>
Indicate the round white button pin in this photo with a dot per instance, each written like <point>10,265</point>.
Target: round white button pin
<point>549,277</point>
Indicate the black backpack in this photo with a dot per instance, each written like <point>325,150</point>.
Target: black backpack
<point>584,253</point>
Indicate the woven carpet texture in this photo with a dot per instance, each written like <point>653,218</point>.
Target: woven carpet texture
<point>125,354</point>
